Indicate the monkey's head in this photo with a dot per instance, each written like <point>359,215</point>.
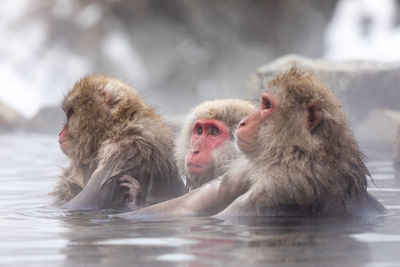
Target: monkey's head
<point>95,107</point>
<point>300,135</point>
<point>206,141</point>
<point>297,114</point>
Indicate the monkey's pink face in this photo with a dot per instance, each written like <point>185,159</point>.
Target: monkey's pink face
<point>248,128</point>
<point>64,139</point>
<point>207,135</point>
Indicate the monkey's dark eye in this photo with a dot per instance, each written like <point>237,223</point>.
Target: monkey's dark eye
<point>199,130</point>
<point>69,112</point>
<point>214,131</point>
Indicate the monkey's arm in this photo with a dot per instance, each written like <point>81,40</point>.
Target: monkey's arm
<point>200,201</point>
<point>207,200</point>
<point>93,196</point>
<point>99,191</point>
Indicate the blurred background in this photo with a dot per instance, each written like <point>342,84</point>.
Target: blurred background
<point>176,53</point>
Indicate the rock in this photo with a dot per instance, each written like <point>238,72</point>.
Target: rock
<point>369,92</point>
<point>9,118</point>
<point>49,120</point>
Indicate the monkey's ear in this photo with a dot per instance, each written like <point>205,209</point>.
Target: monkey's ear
<point>106,96</point>
<point>313,116</point>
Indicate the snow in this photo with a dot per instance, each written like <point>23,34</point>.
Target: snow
<point>345,39</point>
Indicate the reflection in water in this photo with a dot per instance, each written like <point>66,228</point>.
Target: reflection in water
<point>36,233</point>
<point>204,241</point>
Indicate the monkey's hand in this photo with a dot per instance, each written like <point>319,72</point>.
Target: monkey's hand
<point>131,192</point>
<point>103,189</point>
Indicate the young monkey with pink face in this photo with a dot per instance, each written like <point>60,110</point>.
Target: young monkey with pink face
<point>206,143</point>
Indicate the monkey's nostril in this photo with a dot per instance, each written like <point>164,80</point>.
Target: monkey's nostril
<point>196,152</point>
<point>242,124</point>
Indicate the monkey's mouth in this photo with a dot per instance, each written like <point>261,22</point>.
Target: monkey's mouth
<point>65,146</point>
<point>238,140</point>
<point>195,169</point>
<point>64,143</point>
<point>244,146</point>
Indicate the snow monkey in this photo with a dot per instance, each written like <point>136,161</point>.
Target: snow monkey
<point>299,159</point>
<point>206,143</point>
<point>112,136</point>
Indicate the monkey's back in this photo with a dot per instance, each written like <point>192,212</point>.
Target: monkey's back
<point>154,166</point>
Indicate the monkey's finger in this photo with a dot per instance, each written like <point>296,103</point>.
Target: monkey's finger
<point>128,197</point>
<point>133,196</point>
<point>132,182</point>
<point>131,190</point>
<point>127,186</point>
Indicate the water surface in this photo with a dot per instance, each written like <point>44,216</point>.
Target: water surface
<point>35,233</point>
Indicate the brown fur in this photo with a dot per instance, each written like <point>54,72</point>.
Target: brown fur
<point>302,172</point>
<point>229,111</point>
<point>123,136</point>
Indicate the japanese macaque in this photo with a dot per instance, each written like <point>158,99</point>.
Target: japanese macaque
<point>206,143</point>
<point>299,159</point>
<point>120,149</point>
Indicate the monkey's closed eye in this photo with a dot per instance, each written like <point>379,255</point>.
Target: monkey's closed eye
<point>214,131</point>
